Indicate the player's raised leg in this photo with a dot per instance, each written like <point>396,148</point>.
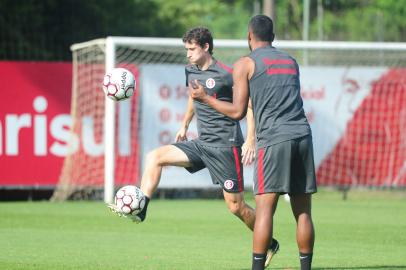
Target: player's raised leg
<point>301,207</point>
<point>167,155</point>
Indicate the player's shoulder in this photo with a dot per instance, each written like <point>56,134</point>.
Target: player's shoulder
<point>223,67</point>
<point>284,54</point>
<point>243,61</point>
<point>244,66</point>
<point>273,54</point>
<point>190,67</point>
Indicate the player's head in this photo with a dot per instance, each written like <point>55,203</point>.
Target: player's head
<point>260,28</point>
<point>198,43</point>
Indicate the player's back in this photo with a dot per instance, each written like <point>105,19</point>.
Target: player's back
<point>275,95</point>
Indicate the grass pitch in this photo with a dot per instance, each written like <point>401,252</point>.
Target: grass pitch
<point>367,231</point>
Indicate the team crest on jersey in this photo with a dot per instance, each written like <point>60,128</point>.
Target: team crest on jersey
<point>210,83</point>
<point>229,184</point>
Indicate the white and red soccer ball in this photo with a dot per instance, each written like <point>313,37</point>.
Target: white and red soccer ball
<point>119,84</point>
<point>130,200</point>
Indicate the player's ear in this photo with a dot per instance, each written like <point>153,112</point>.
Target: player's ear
<point>206,47</point>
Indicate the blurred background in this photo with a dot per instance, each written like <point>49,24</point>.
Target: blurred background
<point>44,30</point>
<point>52,107</point>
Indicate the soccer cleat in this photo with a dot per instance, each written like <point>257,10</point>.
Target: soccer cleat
<point>113,208</point>
<point>272,250</point>
<point>138,218</point>
<point>134,218</point>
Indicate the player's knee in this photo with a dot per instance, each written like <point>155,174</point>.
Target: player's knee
<point>154,157</point>
<point>236,207</point>
<point>301,206</point>
<point>304,218</point>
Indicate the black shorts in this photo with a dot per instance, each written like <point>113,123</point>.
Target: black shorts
<point>223,163</point>
<point>286,167</point>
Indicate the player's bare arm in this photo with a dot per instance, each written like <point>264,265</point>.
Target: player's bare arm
<point>181,135</point>
<point>243,69</point>
<point>248,148</point>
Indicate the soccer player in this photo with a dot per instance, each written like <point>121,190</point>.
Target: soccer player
<point>218,147</point>
<point>285,162</point>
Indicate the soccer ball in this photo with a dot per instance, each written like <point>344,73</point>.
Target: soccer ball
<point>129,200</point>
<point>119,84</point>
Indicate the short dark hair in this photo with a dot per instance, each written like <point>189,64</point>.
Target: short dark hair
<point>262,28</point>
<point>201,36</point>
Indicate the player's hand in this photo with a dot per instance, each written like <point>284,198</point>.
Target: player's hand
<point>248,152</point>
<point>197,91</point>
<point>181,135</point>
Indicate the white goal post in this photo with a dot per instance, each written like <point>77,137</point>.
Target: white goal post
<point>352,60</point>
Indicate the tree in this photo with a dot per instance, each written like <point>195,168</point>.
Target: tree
<point>366,20</point>
<point>44,29</point>
<point>226,19</point>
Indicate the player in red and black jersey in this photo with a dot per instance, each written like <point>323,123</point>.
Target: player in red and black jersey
<point>220,145</point>
<point>285,161</point>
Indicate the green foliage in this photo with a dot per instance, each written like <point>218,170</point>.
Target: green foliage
<point>288,21</point>
<point>226,19</point>
<point>365,20</point>
<point>44,29</point>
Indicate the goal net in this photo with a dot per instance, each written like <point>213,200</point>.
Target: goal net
<point>354,97</point>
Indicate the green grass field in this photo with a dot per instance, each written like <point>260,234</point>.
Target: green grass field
<point>367,231</point>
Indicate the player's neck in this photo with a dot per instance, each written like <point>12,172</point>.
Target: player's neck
<point>259,44</point>
<point>207,61</point>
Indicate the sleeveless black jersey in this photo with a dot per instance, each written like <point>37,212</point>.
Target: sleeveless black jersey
<point>275,96</point>
<point>213,127</point>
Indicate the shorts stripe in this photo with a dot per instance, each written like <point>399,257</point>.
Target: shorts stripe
<point>238,168</point>
<point>261,171</point>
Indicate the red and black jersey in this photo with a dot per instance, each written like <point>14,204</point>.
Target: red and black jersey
<point>213,127</point>
<point>275,96</point>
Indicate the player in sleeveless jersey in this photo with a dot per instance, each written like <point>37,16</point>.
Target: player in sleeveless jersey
<point>285,161</point>
<point>220,144</point>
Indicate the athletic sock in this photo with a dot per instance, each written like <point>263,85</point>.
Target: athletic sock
<point>258,261</point>
<point>305,260</point>
<point>143,214</point>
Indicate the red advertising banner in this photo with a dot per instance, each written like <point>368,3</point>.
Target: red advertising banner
<point>356,114</point>
<point>34,119</point>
